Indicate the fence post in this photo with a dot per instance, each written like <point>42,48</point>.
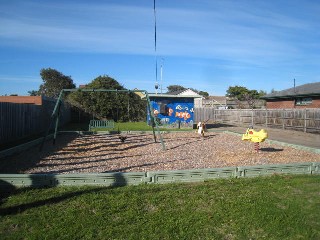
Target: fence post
<point>305,120</point>
<point>266,118</point>
<point>283,123</point>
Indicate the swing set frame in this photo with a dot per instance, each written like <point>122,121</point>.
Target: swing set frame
<point>56,112</point>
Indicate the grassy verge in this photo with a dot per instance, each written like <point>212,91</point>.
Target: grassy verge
<point>278,207</point>
<point>143,126</point>
<point>122,126</point>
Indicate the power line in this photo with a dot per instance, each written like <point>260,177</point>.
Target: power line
<point>155,43</point>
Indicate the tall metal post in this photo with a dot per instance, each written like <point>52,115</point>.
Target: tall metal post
<point>57,125</point>
<point>154,122</point>
<point>55,114</point>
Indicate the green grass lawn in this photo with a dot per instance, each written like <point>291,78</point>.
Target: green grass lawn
<point>121,126</point>
<point>143,126</point>
<point>277,207</point>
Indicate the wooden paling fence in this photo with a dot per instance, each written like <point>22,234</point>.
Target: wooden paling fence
<point>21,120</point>
<point>306,120</point>
<point>18,120</point>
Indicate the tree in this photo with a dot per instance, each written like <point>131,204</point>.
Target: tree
<point>54,82</point>
<point>273,90</point>
<point>237,92</point>
<point>33,93</point>
<point>124,106</point>
<point>243,94</point>
<point>251,96</point>
<point>204,94</point>
<point>174,88</point>
<point>262,93</point>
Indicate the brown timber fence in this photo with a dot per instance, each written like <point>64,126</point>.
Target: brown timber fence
<point>18,121</point>
<point>306,120</point>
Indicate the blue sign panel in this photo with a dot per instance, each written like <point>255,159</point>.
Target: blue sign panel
<point>173,110</point>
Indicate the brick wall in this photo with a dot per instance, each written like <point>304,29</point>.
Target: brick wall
<point>37,100</point>
<point>315,104</point>
<point>274,104</point>
<point>271,104</point>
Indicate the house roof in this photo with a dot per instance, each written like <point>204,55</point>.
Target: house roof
<point>37,100</point>
<point>221,99</point>
<point>165,95</point>
<point>187,93</point>
<point>309,89</point>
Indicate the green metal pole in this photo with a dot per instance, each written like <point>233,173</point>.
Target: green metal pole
<point>54,112</point>
<point>57,124</point>
<point>102,90</point>
<point>53,116</point>
<point>154,121</point>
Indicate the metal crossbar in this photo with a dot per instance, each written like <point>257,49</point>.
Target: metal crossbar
<point>101,124</point>
<point>56,112</point>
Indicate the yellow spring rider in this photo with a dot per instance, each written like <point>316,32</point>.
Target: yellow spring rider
<point>255,136</point>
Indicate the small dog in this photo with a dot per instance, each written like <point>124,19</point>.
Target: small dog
<point>201,128</point>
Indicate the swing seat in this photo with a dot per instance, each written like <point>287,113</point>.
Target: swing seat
<point>104,124</point>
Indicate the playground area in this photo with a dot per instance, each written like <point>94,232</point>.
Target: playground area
<point>99,153</point>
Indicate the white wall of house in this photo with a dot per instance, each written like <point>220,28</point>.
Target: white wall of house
<point>188,92</point>
<point>198,102</point>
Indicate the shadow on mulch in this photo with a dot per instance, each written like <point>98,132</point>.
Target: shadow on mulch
<point>271,149</point>
<point>30,158</point>
<point>218,125</point>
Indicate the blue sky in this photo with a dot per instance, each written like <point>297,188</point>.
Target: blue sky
<point>208,45</point>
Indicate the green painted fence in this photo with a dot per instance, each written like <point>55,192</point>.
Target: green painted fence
<point>191,175</point>
<point>106,124</point>
<point>156,177</point>
<point>264,170</point>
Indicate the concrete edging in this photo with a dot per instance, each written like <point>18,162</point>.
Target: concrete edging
<point>12,181</point>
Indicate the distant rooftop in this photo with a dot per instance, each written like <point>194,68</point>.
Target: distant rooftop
<point>187,93</point>
<point>309,89</point>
